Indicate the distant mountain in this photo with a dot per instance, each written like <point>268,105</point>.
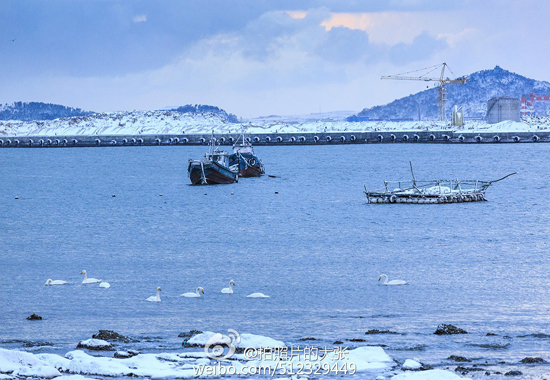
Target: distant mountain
<point>472,96</point>
<point>38,111</point>
<point>35,111</point>
<point>202,108</point>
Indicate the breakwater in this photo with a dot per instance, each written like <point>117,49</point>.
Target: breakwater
<point>309,138</point>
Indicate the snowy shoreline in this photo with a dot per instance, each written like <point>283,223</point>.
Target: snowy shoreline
<point>253,356</point>
<point>258,355</point>
<point>176,123</point>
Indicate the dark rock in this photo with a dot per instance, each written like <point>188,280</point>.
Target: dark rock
<point>338,342</point>
<point>444,329</point>
<point>465,370</point>
<point>306,339</point>
<point>356,340</point>
<point>375,331</point>
<point>513,373</point>
<point>189,334</point>
<point>111,335</point>
<point>37,344</point>
<point>491,334</point>
<point>540,335</point>
<point>529,360</point>
<point>34,317</point>
<point>458,358</point>
<point>125,354</point>
<point>487,373</point>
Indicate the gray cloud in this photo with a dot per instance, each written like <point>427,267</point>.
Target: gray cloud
<point>422,48</point>
<point>248,55</point>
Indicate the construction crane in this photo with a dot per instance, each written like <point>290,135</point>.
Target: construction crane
<point>441,90</point>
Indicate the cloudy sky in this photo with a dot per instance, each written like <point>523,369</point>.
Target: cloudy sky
<point>256,57</point>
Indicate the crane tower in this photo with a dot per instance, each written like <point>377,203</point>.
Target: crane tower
<point>441,90</point>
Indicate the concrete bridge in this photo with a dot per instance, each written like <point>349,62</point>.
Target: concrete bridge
<point>309,138</point>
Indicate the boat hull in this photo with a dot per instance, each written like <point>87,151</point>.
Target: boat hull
<point>426,199</point>
<point>210,173</point>
<point>249,165</point>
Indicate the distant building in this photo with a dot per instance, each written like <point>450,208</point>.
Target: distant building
<point>503,108</point>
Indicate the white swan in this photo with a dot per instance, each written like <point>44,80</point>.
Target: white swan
<point>230,289</point>
<point>155,298</point>
<point>193,295</point>
<point>257,295</point>
<point>88,280</point>
<point>392,282</point>
<point>51,282</point>
<point>104,285</point>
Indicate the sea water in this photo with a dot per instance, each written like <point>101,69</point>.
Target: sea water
<point>304,235</point>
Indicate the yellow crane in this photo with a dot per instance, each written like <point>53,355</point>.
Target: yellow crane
<point>441,90</point>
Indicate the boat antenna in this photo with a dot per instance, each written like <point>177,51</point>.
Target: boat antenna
<point>212,143</point>
<point>414,179</point>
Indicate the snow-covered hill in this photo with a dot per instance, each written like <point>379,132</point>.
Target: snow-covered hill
<point>201,119</point>
<point>472,96</point>
<point>174,122</point>
<point>121,123</point>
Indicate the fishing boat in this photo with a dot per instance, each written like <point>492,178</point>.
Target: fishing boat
<point>244,159</point>
<point>431,192</point>
<point>213,169</point>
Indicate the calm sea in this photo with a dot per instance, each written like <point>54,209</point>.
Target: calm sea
<point>306,238</point>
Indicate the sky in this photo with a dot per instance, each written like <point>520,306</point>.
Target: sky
<point>256,57</point>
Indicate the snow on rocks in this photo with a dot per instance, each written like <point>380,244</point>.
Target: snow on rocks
<point>246,340</point>
<point>95,345</point>
<point>366,358</point>
<point>24,364</point>
<point>82,363</point>
<point>125,354</point>
<point>433,374</point>
<point>78,365</point>
<point>55,361</point>
<point>411,365</point>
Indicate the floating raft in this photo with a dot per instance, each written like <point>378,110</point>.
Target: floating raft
<point>431,192</point>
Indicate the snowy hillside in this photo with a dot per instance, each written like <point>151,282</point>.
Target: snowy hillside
<point>120,123</point>
<point>473,96</point>
<point>173,122</point>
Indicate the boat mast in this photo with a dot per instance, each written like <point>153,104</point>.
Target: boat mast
<point>414,180</point>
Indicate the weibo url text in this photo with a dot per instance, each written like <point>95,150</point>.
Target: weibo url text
<point>279,369</point>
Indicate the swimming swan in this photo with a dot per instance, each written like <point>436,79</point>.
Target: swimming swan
<point>230,289</point>
<point>51,282</point>
<point>193,295</point>
<point>88,280</point>
<point>392,282</point>
<point>257,295</point>
<point>155,298</point>
<point>105,285</point>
